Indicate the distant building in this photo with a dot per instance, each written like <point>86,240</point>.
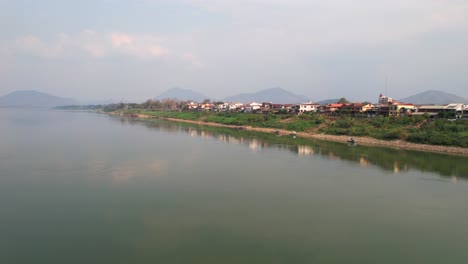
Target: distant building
<point>307,107</point>
<point>352,108</point>
<point>384,105</point>
<point>465,112</point>
<point>454,110</point>
<point>191,106</point>
<point>401,109</point>
<point>384,100</point>
<point>235,106</point>
<point>252,106</point>
<point>331,108</point>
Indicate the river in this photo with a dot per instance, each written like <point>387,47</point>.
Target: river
<point>82,187</point>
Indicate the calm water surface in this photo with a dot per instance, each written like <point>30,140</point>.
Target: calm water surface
<point>80,187</point>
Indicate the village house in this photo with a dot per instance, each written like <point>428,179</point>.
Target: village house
<point>356,108</point>
<point>271,107</point>
<point>331,108</point>
<point>252,106</point>
<point>384,105</point>
<point>384,100</point>
<point>367,107</point>
<point>454,110</point>
<point>401,109</point>
<point>267,105</point>
<point>207,106</point>
<point>306,107</point>
<point>236,106</point>
<point>282,106</point>
<point>465,112</point>
<point>221,107</point>
<point>191,106</point>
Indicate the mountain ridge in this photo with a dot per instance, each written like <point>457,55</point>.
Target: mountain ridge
<point>182,94</point>
<point>434,97</point>
<point>275,95</point>
<point>33,98</point>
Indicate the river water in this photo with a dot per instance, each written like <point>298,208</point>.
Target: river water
<point>80,187</point>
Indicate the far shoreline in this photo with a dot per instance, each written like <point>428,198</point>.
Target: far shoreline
<point>394,144</point>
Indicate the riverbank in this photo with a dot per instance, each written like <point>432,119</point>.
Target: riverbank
<point>396,144</point>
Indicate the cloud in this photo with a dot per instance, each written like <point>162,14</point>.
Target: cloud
<point>91,43</point>
<point>192,59</point>
<point>315,47</point>
<point>340,22</point>
<point>141,46</point>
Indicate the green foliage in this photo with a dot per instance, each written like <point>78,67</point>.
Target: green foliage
<point>441,132</point>
<point>344,122</point>
<point>343,101</point>
<point>415,129</point>
<point>113,107</point>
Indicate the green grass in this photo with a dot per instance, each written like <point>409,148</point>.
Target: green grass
<point>411,129</point>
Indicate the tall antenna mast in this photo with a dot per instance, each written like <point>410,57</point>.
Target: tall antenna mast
<point>386,85</point>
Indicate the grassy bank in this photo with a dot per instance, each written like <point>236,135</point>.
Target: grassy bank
<point>411,129</point>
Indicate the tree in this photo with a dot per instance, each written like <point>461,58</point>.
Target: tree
<point>206,101</point>
<point>343,101</point>
<point>148,104</point>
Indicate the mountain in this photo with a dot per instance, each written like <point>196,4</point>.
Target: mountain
<point>96,101</point>
<point>434,97</point>
<point>182,94</point>
<point>275,95</point>
<point>34,99</point>
<point>328,101</point>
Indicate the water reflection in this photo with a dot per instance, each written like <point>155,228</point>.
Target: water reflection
<point>390,160</point>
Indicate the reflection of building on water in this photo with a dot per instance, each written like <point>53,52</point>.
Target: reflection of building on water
<point>397,168</point>
<point>254,144</point>
<point>192,132</point>
<point>331,156</point>
<point>221,137</point>
<point>235,140</point>
<point>396,162</point>
<point>305,150</point>
<point>363,162</point>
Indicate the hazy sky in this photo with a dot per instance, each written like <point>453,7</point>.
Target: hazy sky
<point>136,49</point>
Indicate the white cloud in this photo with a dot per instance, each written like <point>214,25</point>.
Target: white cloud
<point>341,22</point>
<point>240,45</point>
<point>94,44</point>
<point>192,59</point>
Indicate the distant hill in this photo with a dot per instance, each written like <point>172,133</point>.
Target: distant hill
<point>275,95</point>
<point>328,101</point>
<point>434,97</point>
<point>96,102</point>
<point>34,99</point>
<point>182,94</point>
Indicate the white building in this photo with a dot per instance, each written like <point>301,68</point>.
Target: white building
<point>307,107</point>
<point>384,100</point>
<point>252,106</point>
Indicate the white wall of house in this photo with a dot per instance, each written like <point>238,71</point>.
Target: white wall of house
<point>252,106</point>
<point>308,107</point>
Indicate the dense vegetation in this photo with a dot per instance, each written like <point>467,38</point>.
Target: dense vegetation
<point>416,129</point>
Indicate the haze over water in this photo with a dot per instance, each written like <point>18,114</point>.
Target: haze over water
<point>78,187</point>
